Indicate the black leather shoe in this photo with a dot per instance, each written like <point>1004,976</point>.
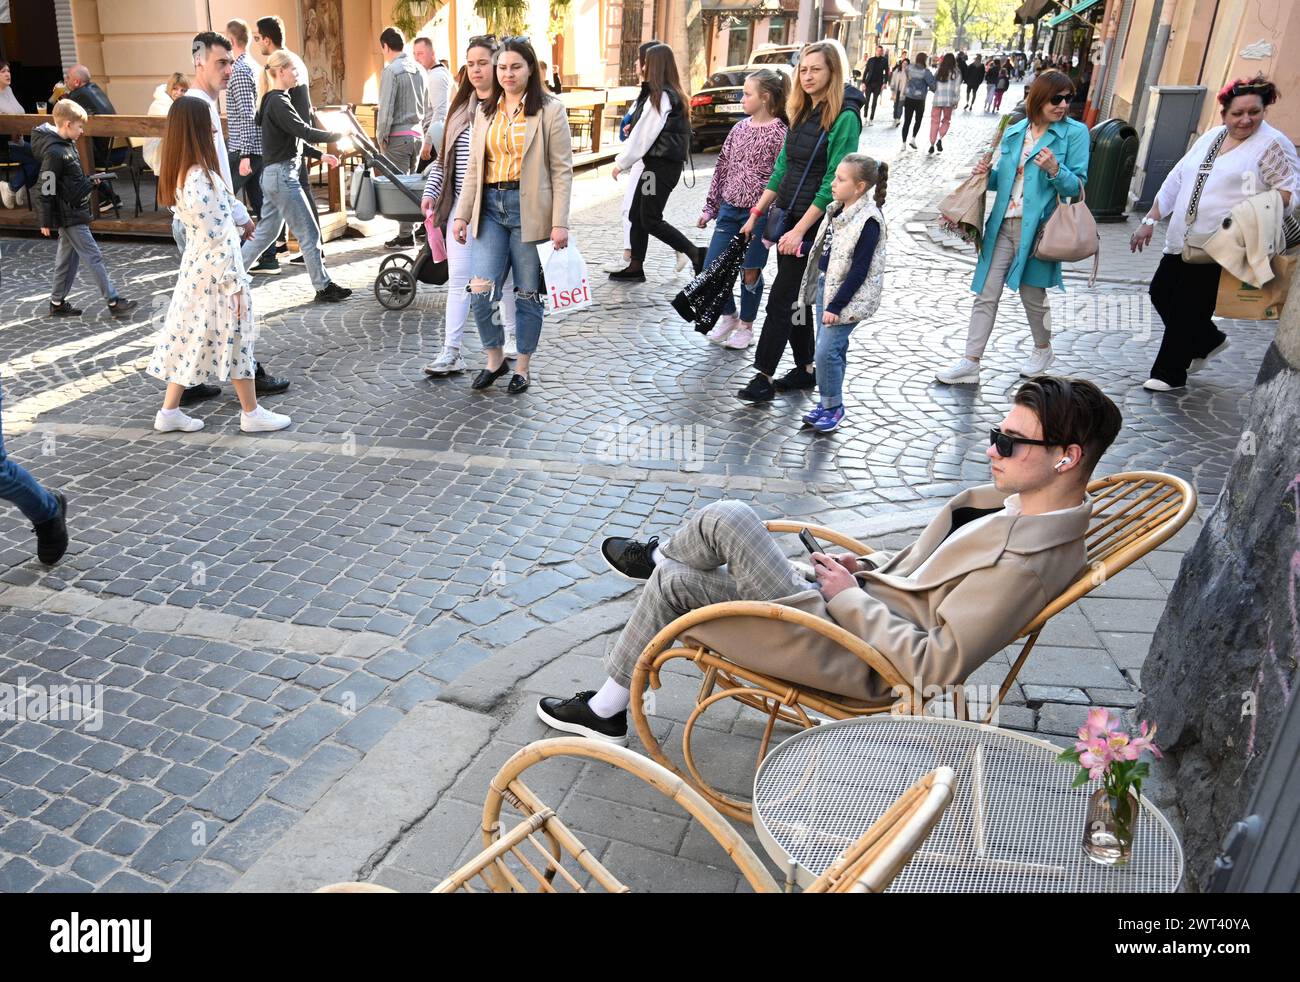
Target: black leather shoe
<point>121,307</point>
<point>197,393</point>
<point>630,274</point>
<point>333,294</point>
<point>759,389</point>
<point>518,384</point>
<point>575,716</point>
<point>52,534</point>
<point>796,378</point>
<point>64,309</point>
<point>400,242</point>
<point>630,558</point>
<point>269,385</point>
<point>485,377</point>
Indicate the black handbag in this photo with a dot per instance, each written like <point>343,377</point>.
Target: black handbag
<point>779,218</point>
<point>704,297</point>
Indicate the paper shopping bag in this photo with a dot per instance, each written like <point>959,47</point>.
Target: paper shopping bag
<point>566,277</point>
<point>1264,303</point>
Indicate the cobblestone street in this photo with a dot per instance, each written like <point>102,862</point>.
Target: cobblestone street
<point>317,646</point>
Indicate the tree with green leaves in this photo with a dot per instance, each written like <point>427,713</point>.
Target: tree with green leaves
<point>503,17</point>
<point>956,21</point>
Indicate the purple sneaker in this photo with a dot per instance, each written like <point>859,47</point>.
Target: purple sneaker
<point>829,419</point>
<point>811,416</point>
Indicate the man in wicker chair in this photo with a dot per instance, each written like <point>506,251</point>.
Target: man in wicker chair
<point>993,557</point>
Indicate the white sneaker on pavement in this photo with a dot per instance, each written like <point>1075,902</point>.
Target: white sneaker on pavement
<point>446,363</point>
<point>165,422</point>
<point>262,420</point>
<point>961,372</point>
<point>742,337</point>
<point>726,324</point>
<point>683,261</point>
<point>1038,361</point>
<point>1156,385</point>
<point>1199,363</point>
<point>511,347</point>
<point>614,265</point>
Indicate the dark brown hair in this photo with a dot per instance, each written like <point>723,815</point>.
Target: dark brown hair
<point>534,94</point>
<point>1259,85</point>
<point>661,75</point>
<point>1072,411</point>
<point>186,142</point>
<point>871,172</point>
<point>271,28</point>
<point>776,85</point>
<point>1045,86</point>
<point>946,67</point>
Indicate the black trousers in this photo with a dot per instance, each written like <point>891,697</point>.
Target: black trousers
<point>786,322</point>
<point>970,93</point>
<point>250,185</point>
<point>653,187</point>
<point>1184,295</point>
<point>873,96</point>
<point>912,108</point>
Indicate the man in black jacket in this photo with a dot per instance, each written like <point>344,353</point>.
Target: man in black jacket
<point>93,99</point>
<point>874,76</point>
<point>65,207</point>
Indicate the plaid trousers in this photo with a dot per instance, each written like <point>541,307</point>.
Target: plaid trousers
<point>689,576</point>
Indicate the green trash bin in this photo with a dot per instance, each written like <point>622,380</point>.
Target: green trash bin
<point>1110,169</point>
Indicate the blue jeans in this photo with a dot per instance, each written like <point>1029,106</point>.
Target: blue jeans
<point>832,351</point>
<point>75,244</point>
<point>729,222</point>
<point>285,200</point>
<point>20,488</point>
<point>29,169</point>
<point>499,248</point>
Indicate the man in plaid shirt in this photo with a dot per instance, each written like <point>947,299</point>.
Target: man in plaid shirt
<point>245,142</point>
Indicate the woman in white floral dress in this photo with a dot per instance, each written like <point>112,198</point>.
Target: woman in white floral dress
<point>208,332</point>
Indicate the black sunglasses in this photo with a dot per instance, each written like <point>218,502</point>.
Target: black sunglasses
<point>1061,98</point>
<point>522,39</point>
<point>1006,445</point>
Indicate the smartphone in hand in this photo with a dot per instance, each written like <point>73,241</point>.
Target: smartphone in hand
<point>809,542</point>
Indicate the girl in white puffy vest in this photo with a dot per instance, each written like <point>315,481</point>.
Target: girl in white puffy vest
<point>844,277</point>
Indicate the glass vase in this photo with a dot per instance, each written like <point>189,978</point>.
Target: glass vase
<point>1110,826</point>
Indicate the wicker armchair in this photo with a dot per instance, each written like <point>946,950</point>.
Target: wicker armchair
<point>540,853</point>
<point>1133,513</point>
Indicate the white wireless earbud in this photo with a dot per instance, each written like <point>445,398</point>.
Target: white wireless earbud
<point>1062,462</point>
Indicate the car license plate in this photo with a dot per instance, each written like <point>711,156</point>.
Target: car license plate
<point>729,107</point>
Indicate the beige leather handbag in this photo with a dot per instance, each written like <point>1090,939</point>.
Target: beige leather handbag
<point>1070,234</point>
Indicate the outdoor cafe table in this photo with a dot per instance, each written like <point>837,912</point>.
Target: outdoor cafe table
<point>1014,824</point>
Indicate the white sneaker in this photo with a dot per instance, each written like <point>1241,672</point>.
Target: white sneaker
<point>742,337</point>
<point>446,363</point>
<point>20,199</point>
<point>961,372</point>
<point>170,422</point>
<point>1038,361</point>
<point>614,265</point>
<point>726,324</point>
<point>683,261</point>
<point>1155,385</point>
<point>1199,363</point>
<point>511,346</point>
<point>7,196</point>
<point>262,420</point>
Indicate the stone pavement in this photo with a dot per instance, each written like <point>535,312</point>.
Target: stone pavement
<point>315,646</point>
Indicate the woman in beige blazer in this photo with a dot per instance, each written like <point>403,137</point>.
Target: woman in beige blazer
<point>516,194</point>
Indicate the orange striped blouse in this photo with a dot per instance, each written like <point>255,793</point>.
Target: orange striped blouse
<point>505,144</point>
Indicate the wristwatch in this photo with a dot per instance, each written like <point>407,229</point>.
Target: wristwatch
<point>1148,220</point>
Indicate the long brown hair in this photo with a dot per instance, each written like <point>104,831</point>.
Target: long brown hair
<point>464,90</point>
<point>800,106</point>
<point>187,141</point>
<point>776,86</point>
<point>946,67</point>
<point>534,95</point>
<point>661,75</point>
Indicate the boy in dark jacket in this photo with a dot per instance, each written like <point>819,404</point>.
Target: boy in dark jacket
<point>65,206</point>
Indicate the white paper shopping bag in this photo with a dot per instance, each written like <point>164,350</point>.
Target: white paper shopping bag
<point>566,277</point>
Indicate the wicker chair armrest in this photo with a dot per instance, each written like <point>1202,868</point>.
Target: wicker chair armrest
<point>821,533</point>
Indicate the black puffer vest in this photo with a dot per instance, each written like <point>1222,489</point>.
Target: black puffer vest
<point>800,142</point>
<point>674,140</point>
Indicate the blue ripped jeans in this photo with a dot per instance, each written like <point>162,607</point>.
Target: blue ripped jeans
<point>832,351</point>
<point>729,222</point>
<point>500,249</point>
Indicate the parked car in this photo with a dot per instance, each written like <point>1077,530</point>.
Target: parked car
<point>716,108</point>
<point>776,54</point>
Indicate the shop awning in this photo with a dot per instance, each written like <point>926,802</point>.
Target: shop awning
<point>840,10</point>
<point>1031,10</point>
<point>1078,8</point>
<point>752,9</point>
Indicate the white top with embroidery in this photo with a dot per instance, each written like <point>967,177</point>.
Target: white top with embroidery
<point>1016,206</point>
<point>1265,162</point>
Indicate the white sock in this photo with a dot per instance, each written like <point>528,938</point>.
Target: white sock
<point>611,700</point>
<point>171,413</point>
<point>656,556</point>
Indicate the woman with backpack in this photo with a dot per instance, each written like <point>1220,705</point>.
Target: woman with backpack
<point>990,83</point>
<point>920,82</point>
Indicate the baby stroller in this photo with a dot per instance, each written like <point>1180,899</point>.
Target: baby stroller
<point>395,196</point>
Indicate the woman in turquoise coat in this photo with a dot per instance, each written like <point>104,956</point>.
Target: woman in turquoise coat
<point>1042,156</point>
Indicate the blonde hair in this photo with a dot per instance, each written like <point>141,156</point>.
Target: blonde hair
<point>178,78</point>
<point>279,58</point>
<point>800,106</point>
<point>65,111</point>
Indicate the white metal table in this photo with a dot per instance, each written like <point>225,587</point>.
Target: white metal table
<point>1014,824</point>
